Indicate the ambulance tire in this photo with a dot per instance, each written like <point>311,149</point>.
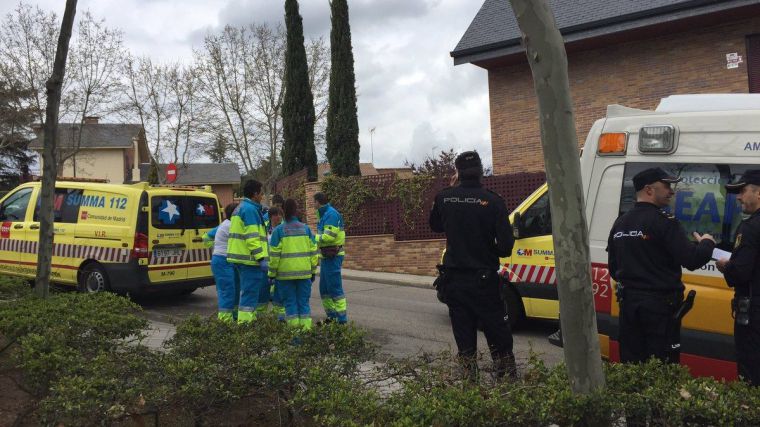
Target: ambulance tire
<point>93,278</point>
<point>513,306</point>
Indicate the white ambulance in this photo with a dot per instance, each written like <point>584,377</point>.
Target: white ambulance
<point>707,140</point>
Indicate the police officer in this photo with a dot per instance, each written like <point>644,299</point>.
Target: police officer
<point>647,248</point>
<point>742,272</point>
<point>476,223</point>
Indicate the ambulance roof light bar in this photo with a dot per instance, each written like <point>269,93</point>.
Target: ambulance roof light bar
<point>709,102</point>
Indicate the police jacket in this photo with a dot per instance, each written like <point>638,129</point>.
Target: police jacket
<point>330,229</point>
<point>247,239</point>
<point>647,248</point>
<point>743,270</point>
<point>293,253</point>
<point>476,223</point>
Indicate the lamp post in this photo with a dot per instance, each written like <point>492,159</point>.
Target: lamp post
<point>371,145</point>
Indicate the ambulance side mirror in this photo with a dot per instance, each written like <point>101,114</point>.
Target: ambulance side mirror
<point>517,221</point>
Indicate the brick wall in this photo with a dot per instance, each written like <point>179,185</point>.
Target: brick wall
<point>381,252</point>
<point>635,74</point>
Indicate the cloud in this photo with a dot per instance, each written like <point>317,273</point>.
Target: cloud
<point>407,85</point>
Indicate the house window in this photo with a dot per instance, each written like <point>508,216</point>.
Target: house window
<point>753,62</point>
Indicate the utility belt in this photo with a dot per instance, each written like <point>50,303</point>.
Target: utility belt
<point>672,295</point>
<point>330,251</point>
<point>740,309</point>
<point>484,279</point>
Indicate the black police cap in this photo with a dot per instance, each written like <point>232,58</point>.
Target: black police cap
<point>467,160</point>
<point>652,175</point>
<point>751,176</point>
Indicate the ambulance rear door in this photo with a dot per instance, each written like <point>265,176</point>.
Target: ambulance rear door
<point>167,240</point>
<point>203,216</point>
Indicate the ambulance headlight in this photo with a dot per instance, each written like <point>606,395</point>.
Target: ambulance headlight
<point>659,139</point>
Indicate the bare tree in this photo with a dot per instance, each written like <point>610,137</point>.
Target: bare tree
<point>223,79</point>
<point>548,62</point>
<point>95,67</point>
<point>185,118</point>
<point>241,73</point>
<point>27,50</point>
<point>54,85</point>
<point>148,97</point>
<point>90,86</point>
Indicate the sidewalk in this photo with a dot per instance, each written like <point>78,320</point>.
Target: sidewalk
<point>389,278</point>
<point>157,333</point>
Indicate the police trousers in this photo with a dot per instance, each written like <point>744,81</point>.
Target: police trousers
<point>747,343</point>
<point>647,327</point>
<point>474,296</point>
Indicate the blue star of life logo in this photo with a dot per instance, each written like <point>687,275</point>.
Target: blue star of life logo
<point>168,214</point>
<point>200,210</point>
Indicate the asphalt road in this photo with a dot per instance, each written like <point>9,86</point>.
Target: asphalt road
<point>403,320</point>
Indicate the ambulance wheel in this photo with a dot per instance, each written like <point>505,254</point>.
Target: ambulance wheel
<point>93,278</point>
<point>513,306</point>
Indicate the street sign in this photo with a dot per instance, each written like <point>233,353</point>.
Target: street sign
<point>171,173</point>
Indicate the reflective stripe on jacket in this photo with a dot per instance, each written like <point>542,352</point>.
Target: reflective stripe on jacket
<point>247,241</point>
<point>330,229</point>
<point>293,254</point>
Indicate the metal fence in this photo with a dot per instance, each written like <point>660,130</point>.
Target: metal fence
<point>384,216</point>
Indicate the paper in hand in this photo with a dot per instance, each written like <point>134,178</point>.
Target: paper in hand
<point>719,254</point>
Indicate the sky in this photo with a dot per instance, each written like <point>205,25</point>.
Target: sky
<point>407,86</point>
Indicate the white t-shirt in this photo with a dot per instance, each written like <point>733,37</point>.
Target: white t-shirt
<point>220,240</point>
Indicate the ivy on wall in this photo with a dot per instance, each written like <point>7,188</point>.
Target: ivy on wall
<point>348,194</point>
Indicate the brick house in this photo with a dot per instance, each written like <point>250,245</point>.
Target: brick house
<point>629,52</point>
<point>110,151</point>
<point>223,178</point>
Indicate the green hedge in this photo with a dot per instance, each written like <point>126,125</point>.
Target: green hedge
<point>82,356</point>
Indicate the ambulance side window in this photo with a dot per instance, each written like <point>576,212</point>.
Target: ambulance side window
<point>537,219</point>
<point>205,212</point>
<point>701,203</point>
<point>14,207</point>
<point>66,204</point>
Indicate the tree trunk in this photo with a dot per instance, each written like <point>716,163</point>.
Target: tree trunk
<point>49,168</point>
<point>548,62</point>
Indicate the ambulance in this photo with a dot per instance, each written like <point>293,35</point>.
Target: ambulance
<point>707,140</point>
<point>108,237</point>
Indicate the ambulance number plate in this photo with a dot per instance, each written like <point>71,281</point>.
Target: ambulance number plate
<point>165,253</point>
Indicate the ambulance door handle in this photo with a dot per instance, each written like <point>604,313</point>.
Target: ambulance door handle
<point>34,227</point>
<point>197,239</point>
<point>156,242</point>
<point>18,226</point>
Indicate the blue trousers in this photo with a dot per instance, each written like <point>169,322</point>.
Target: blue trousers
<point>331,289</point>
<point>227,287</point>
<point>295,296</point>
<point>252,279</point>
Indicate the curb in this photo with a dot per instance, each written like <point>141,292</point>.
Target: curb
<point>423,282</point>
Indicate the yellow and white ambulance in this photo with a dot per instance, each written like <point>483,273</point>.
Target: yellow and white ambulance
<point>123,238</point>
<point>707,140</point>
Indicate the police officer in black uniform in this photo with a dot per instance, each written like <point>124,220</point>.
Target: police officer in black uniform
<point>647,248</point>
<point>742,272</point>
<point>478,232</point>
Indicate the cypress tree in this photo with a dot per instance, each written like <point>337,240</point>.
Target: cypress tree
<point>298,150</point>
<point>342,134</point>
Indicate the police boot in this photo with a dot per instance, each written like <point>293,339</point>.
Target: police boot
<point>505,366</point>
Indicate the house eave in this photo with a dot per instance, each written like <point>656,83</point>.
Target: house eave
<point>612,30</point>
